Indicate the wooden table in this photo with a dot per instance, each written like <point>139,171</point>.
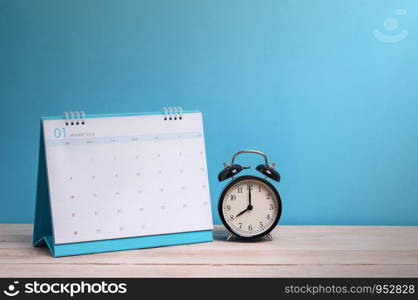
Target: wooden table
<point>296,251</point>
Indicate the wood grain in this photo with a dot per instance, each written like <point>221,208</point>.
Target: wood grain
<point>296,251</point>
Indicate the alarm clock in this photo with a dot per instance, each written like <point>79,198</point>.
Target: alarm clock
<point>249,206</point>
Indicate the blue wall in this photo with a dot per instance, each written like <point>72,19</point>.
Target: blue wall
<point>305,81</point>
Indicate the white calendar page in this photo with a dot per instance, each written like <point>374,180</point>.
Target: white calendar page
<point>129,176</point>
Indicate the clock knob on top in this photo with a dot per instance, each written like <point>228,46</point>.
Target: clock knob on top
<point>230,171</point>
<point>269,171</point>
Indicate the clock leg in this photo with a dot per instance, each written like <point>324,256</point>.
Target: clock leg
<point>269,236</point>
<point>230,235</point>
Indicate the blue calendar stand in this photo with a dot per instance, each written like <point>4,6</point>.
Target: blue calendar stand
<point>43,231</point>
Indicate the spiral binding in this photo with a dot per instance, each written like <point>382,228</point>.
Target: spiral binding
<point>74,118</point>
<point>173,113</point>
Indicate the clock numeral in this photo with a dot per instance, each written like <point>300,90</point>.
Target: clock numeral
<point>239,190</point>
<point>250,227</point>
<point>231,217</point>
<point>240,225</point>
<point>261,225</point>
<point>228,207</point>
<point>271,206</point>
<point>250,187</point>
<point>233,197</point>
<point>259,188</point>
<point>268,196</point>
<point>268,217</point>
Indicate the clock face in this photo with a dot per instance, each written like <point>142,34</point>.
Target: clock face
<point>250,206</point>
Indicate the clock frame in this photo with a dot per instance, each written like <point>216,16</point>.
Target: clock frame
<point>236,181</point>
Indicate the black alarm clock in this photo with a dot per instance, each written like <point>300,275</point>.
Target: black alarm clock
<point>249,206</point>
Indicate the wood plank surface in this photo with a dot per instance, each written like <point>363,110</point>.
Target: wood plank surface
<point>295,251</point>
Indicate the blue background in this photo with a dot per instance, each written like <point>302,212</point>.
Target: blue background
<point>304,81</point>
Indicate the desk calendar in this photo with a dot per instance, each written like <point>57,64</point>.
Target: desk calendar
<point>127,181</point>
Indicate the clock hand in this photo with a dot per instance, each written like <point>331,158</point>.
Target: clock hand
<point>249,195</point>
<point>242,212</point>
<point>249,207</point>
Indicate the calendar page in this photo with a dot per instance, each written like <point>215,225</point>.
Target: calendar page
<point>128,176</point>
